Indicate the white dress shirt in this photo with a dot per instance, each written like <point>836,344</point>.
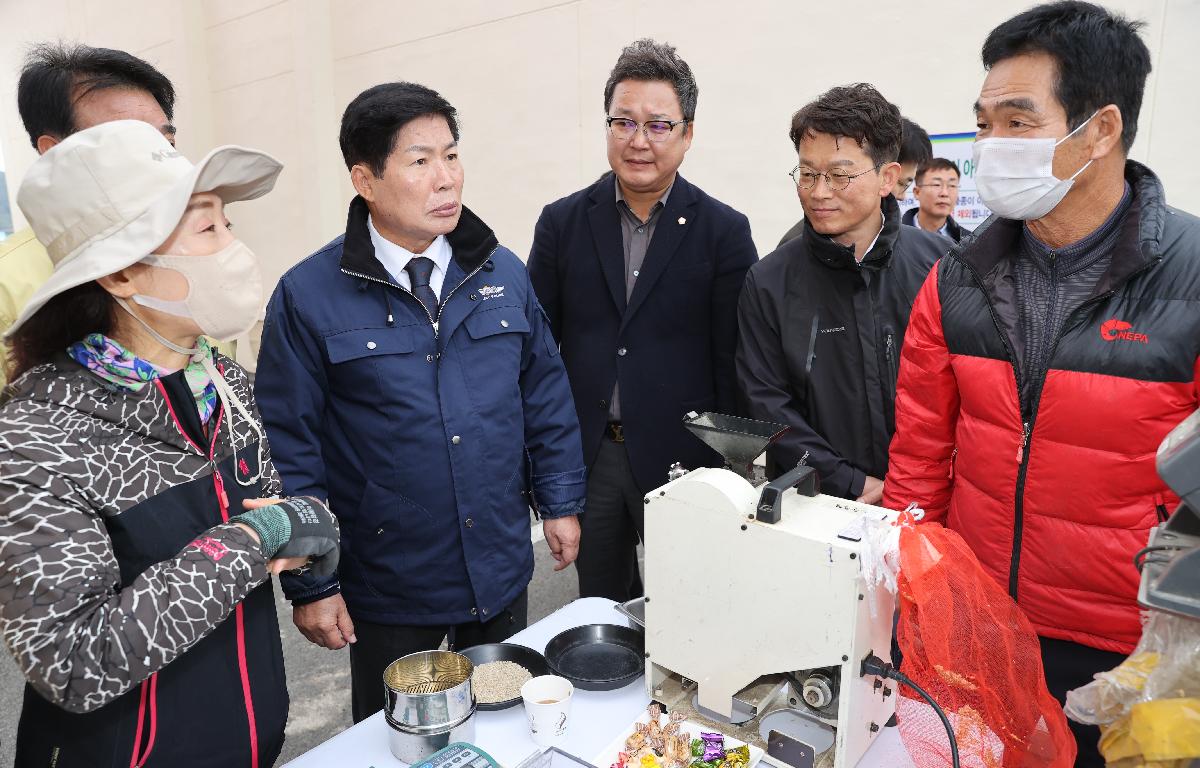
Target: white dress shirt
<point>395,258</point>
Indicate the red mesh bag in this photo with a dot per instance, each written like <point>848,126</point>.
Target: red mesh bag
<point>965,642</point>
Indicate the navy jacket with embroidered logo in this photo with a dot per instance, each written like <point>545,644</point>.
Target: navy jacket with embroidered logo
<point>429,441</point>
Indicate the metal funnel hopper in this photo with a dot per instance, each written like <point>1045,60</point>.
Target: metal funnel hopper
<point>739,440</point>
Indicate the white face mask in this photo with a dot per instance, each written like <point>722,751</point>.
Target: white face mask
<point>225,290</point>
<point>1015,177</point>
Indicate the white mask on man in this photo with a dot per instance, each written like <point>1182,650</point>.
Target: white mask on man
<point>1015,177</point>
<point>225,290</point>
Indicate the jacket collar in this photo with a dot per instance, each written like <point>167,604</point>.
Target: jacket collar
<point>1138,247</point>
<point>841,256</point>
<point>472,242</point>
<point>63,382</point>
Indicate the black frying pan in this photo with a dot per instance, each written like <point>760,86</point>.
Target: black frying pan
<point>598,657</point>
<point>517,654</point>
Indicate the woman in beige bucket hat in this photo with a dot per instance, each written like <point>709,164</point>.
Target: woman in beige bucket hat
<point>133,596</point>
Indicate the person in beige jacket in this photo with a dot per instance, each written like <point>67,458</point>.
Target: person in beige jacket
<point>24,266</point>
<point>64,89</point>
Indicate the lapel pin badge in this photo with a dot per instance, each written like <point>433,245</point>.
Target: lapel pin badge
<point>682,220</point>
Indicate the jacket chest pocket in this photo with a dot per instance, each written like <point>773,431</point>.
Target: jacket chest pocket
<point>363,360</point>
<point>503,322</point>
<point>497,342</point>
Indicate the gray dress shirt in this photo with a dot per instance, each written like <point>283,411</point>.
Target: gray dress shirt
<point>635,239</point>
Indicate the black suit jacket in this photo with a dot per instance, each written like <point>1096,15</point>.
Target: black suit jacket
<point>671,345</point>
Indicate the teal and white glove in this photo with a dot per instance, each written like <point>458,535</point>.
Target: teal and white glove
<point>301,526</point>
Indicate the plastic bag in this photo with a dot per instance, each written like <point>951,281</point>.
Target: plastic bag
<point>1148,708</point>
<point>971,648</point>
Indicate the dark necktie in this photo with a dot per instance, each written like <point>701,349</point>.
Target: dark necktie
<point>419,268</point>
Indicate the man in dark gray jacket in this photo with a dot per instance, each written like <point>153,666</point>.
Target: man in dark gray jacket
<point>915,150</point>
<point>821,320</point>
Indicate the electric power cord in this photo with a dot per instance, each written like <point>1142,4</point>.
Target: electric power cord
<point>873,665</point>
<point>1143,555</point>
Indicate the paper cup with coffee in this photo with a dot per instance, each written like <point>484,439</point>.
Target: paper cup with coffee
<point>548,707</point>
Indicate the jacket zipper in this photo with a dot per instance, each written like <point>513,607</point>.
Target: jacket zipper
<point>146,701</point>
<point>893,362</point>
<point>1029,416</point>
<point>238,611</point>
<point>239,614</point>
<point>889,394</point>
<point>474,272</point>
<point>1026,430</point>
<point>402,289</point>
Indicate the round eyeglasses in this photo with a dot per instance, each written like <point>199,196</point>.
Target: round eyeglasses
<point>806,178</point>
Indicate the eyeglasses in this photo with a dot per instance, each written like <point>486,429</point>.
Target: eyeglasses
<point>837,180</point>
<point>656,130</point>
<point>938,186</point>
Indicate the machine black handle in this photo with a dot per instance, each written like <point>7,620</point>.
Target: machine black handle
<point>770,504</point>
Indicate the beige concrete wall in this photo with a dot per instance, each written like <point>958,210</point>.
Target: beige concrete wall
<point>527,77</point>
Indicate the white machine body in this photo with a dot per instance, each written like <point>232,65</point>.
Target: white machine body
<point>731,599</point>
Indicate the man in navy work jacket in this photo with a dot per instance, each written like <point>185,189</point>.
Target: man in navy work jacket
<point>409,376</point>
<point>639,274</point>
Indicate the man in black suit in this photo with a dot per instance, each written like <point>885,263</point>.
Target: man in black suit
<point>640,274</point>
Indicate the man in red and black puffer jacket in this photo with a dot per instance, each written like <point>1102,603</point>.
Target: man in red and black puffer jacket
<point>1046,360</point>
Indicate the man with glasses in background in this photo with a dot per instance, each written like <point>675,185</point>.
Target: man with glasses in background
<point>937,194</point>
<point>821,320</point>
<point>639,274</point>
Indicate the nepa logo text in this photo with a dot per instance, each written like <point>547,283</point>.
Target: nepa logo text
<point>1119,330</point>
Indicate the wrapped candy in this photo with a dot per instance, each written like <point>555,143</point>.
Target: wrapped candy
<point>714,747</point>
<point>697,748</point>
<point>677,751</point>
<point>649,761</point>
<point>654,729</point>
<point>738,757</point>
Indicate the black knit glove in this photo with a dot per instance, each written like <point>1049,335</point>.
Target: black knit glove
<point>301,526</point>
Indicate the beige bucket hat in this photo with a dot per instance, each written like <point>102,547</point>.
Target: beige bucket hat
<point>105,198</point>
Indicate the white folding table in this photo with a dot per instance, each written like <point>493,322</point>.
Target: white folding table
<point>597,717</point>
